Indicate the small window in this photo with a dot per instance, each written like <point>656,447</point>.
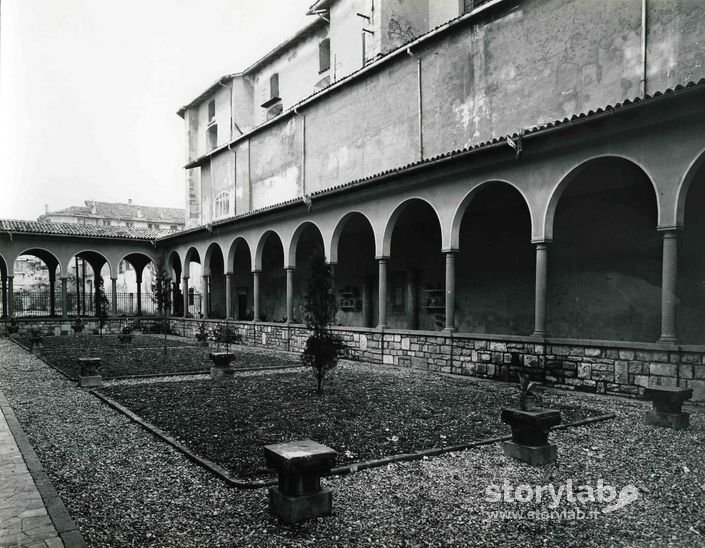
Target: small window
<point>276,110</point>
<point>129,224</point>
<point>472,4</point>
<point>324,55</point>
<point>211,111</point>
<point>212,136</point>
<point>106,222</point>
<point>274,86</point>
<point>173,227</point>
<point>150,225</point>
<point>222,205</point>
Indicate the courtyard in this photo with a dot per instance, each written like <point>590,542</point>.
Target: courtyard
<point>124,486</point>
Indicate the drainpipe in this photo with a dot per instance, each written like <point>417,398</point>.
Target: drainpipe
<point>303,151</point>
<point>420,110</point>
<point>642,87</point>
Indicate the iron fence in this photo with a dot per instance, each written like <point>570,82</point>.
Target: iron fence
<point>37,302</point>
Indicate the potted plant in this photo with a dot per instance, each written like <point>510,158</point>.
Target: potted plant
<point>77,325</point>
<point>125,335</point>
<point>202,334</point>
<point>222,360</point>
<point>530,423</point>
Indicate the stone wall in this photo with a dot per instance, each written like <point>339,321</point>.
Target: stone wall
<point>602,367</point>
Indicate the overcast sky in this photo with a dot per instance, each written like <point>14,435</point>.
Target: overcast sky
<point>89,91</point>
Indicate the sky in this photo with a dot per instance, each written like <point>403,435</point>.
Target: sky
<point>89,91</point>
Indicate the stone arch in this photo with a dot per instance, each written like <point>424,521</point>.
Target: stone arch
<point>260,247</point>
<point>338,230</point>
<point>356,272</point>
<point>234,248</point>
<point>394,217</point>
<point>494,262</point>
<point>48,257</point>
<point>605,259</point>
<point>212,247</point>
<point>575,171</point>
<point>691,172</point>
<point>192,255</point>
<point>296,236</point>
<point>92,256</point>
<point>174,265</point>
<point>465,203</point>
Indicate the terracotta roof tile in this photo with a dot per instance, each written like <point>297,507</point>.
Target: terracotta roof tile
<point>111,210</point>
<point>73,229</point>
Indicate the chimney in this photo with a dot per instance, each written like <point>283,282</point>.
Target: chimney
<point>46,208</point>
<point>129,200</point>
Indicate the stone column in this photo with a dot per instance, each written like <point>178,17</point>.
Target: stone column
<point>64,297</point>
<point>52,293</point>
<point>4,297</point>
<point>184,288</point>
<point>174,297</point>
<point>255,294</point>
<point>228,296</point>
<point>290,293</point>
<point>139,296</point>
<point>412,312</point>
<point>205,297</point>
<point>10,297</point>
<point>669,279</point>
<point>367,303</point>
<point>541,287</point>
<point>114,299</point>
<point>382,323</point>
<point>450,291</point>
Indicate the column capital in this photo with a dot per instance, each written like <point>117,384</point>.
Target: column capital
<point>670,233</point>
<point>449,251</point>
<point>114,280</point>
<point>669,229</point>
<point>288,268</point>
<point>228,274</point>
<point>184,278</point>
<point>257,271</point>
<point>382,259</point>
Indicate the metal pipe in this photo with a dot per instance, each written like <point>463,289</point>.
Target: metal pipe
<point>420,110</point>
<point>642,87</point>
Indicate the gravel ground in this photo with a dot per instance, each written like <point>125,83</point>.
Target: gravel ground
<point>145,356</point>
<point>389,411</point>
<point>125,488</point>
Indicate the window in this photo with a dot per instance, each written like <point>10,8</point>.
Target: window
<point>222,204</point>
<point>150,225</point>
<point>173,227</point>
<point>472,4</point>
<point>276,110</point>
<point>324,55</point>
<point>106,222</point>
<point>211,111</point>
<point>129,224</point>
<point>212,136</point>
<point>273,91</point>
<point>274,86</point>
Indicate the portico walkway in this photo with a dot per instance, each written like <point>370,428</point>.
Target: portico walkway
<point>24,517</point>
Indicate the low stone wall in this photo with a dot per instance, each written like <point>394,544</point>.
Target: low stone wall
<point>602,367</point>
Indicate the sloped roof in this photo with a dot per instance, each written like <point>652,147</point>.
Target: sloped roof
<point>73,229</point>
<point>497,142</point>
<point>172,215</point>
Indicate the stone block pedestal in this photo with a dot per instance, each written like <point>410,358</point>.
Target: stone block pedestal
<point>300,465</point>
<point>90,376</point>
<point>667,402</point>
<point>530,435</point>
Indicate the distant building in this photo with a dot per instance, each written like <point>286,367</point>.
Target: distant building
<point>164,219</point>
<point>118,214</point>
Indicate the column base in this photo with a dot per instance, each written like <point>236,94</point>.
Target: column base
<point>93,381</point>
<point>533,455</point>
<point>676,421</point>
<point>541,334</point>
<point>295,509</point>
<point>668,339</point>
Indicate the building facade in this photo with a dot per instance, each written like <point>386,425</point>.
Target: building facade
<point>497,184</point>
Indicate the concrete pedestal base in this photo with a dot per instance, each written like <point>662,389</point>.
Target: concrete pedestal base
<point>221,372</point>
<point>37,349</point>
<point>299,508</point>
<point>534,455</point>
<point>677,421</point>
<point>94,381</point>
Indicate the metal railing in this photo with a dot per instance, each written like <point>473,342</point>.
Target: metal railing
<point>37,302</point>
